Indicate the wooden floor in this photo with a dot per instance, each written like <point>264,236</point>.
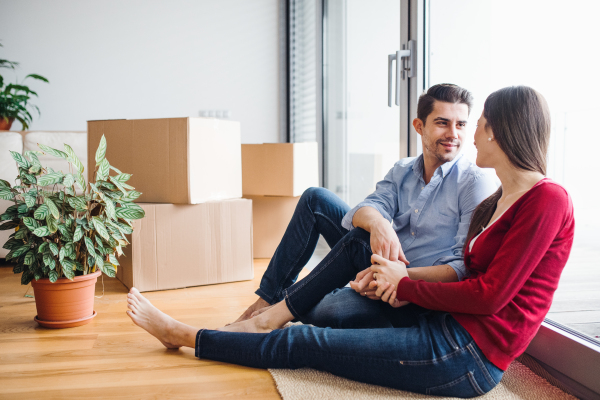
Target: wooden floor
<point>113,358</point>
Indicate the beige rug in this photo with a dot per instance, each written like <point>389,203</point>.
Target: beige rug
<point>519,382</point>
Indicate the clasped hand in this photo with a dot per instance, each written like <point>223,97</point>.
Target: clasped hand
<point>375,282</point>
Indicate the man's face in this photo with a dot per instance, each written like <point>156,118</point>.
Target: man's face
<point>444,130</point>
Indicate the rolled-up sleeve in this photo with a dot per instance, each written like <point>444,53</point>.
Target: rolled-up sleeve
<point>384,199</point>
<point>477,189</point>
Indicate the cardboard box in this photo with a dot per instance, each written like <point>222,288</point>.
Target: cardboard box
<point>279,169</point>
<point>270,217</point>
<point>176,246</point>
<point>173,160</point>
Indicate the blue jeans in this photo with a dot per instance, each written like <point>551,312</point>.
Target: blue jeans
<point>408,348</point>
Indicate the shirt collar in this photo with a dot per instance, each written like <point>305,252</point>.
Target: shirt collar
<point>444,169</point>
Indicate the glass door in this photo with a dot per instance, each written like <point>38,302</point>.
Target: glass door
<point>550,46</point>
<point>361,133</point>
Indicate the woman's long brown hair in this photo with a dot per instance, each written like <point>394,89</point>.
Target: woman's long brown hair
<point>520,121</point>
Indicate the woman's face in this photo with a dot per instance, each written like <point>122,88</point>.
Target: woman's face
<point>487,150</point>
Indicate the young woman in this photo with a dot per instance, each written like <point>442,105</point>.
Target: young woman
<point>454,339</point>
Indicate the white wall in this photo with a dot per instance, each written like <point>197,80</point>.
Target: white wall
<point>114,59</point>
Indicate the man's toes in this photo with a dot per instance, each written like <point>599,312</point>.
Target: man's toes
<point>132,307</point>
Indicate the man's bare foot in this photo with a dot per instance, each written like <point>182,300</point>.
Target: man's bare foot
<point>171,333</point>
<point>258,312</point>
<point>258,305</point>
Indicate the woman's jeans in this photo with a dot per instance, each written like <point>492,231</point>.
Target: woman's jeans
<point>409,348</point>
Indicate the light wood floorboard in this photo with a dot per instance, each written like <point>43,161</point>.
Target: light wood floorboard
<point>113,358</point>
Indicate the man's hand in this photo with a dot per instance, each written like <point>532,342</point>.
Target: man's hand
<point>384,240</point>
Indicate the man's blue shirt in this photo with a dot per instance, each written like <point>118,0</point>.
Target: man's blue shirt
<point>432,219</point>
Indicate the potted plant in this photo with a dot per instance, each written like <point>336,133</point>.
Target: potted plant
<point>14,99</point>
<point>67,231</point>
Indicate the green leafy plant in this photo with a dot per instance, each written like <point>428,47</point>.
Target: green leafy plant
<point>14,97</point>
<point>59,232</point>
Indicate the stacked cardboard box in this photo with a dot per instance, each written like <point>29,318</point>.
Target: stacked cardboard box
<point>274,176</point>
<point>197,230</point>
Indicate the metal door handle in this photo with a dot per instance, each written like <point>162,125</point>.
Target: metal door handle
<point>406,60</point>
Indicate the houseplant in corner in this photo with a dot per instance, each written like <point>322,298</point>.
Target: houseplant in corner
<point>14,99</point>
<point>67,231</point>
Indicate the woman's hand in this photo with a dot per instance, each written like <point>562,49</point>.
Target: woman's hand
<point>361,284</point>
<point>384,272</point>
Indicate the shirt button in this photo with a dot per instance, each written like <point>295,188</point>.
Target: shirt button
<point>422,187</point>
<point>412,233</point>
<point>416,211</point>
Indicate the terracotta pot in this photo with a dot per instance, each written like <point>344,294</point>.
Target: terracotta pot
<point>5,126</point>
<point>65,303</point>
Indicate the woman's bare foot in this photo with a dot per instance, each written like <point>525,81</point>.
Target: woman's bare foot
<point>170,332</point>
<point>258,305</point>
<point>272,317</point>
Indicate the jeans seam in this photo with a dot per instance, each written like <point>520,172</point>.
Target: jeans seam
<point>290,307</point>
<point>447,385</point>
<point>433,360</point>
<point>198,335</point>
<point>481,365</point>
<point>447,332</point>
<point>475,384</point>
<point>280,286</point>
<point>330,221</point>
<point>310,277</point>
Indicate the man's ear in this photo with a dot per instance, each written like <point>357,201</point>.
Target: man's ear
<point>418,125</point>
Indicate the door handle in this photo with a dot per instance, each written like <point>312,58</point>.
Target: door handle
<point>406,60</point>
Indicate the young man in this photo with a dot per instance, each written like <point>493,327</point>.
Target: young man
<point>428,200</point>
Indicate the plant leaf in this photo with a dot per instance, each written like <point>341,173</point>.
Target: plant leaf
<point>22,161</point>
<point>53,276</point>
<point>113,259</point>
<point>51,223</point>
<point>80,181</point>
<point>99,261</point>
<point>31,223</point>
<point>53,248</point>
<point>68,268</point>
<point>100,228</point>
<point>52,207</point>
<point>50,179</point>
<point>73,158</point>
<point>4,183</point>
<point>53,152</point>
<point>90,246</point>
<point>109,269</point>
<point>41,231</point>
<point>101,152</point>
<point>42,212</point>
<point>103,170</point>
<point>6,193</point>
<point>78,233</point>
<point>77,203</point>
<point>123,177</point>
<point>110,208</point>
<point>131,196</point>
<point>29,258</point>
<point>69,180</point>
<point>8,225</point>
<point>127,212</point>
<point>30,199</point>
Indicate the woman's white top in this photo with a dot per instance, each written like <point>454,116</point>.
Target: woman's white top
<point>483,230</point>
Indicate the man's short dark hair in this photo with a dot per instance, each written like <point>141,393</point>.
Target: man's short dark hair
<point>446,92</point>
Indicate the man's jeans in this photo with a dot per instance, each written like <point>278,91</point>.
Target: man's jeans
<point>408,348</point>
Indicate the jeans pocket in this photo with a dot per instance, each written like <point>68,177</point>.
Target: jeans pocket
<point>465,386</point>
